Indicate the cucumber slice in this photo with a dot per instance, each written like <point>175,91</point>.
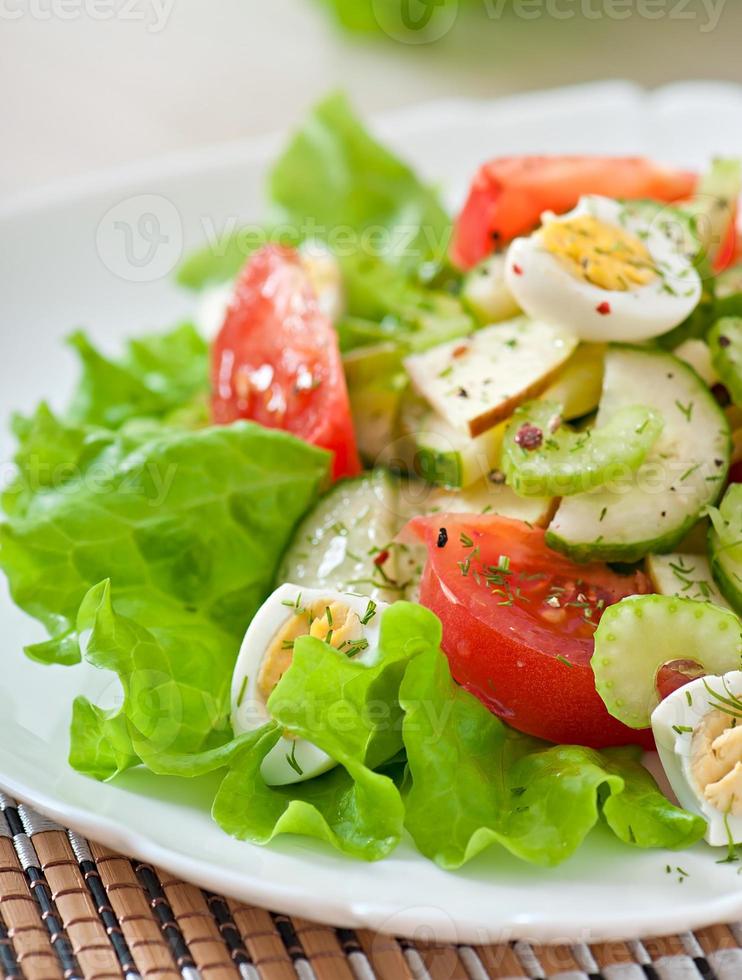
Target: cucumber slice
<point>541,457</point>
<point>578,385</point>
<point>475,383</point>
<point>338,544</point>
<point>486,294</point>
<point>725,340</point>
<point>487,497</point>
<point>440,454</point>
<point>725,546</point>
<point>652,509</point>
<point>637,636</point>
<point>685,575</point>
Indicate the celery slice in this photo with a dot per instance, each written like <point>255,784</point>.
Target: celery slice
<point>541,457</point>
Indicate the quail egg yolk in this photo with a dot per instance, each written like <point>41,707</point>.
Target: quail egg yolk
<point>716,762</point>
<point>600,254</point>
<point>328,620</point>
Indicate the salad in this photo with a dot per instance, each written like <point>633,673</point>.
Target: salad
<point>425,525</point>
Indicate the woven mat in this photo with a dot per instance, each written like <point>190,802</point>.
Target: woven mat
<point>71,909</point>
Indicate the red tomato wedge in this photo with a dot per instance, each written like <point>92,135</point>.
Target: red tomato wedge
<point>518,624</point>
<point>509,194</point>
<point>276,360</point>
<point>729,249</point>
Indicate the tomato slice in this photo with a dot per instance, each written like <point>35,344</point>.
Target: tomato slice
<point>277,361</point>
<point>509,194</point>
<point>729,249</point>
<point>518,623</point>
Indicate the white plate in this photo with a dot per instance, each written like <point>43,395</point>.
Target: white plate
<point>63,266</point>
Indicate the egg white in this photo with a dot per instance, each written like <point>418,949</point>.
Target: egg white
<point>249,710</point>
<point>686,708</point>
<point>546,289</point>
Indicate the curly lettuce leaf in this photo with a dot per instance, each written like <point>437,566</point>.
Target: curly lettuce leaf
<point>159,374</point>
<point>474,782</point>
<point>336,183</point>
<point>352,712</point>
<point>221,260</point>
<point>189,528</point>
<point>358,812</point>
<point>336,179</point>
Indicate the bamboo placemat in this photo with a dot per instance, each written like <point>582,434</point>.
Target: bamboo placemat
<point>72,909</point>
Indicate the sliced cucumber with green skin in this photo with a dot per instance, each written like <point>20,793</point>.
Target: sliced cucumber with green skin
<point>542,457</point>
<point>725,341</point>
<point>485,292</point>
<point>337,546</point>
<point>441,454</point>
<point>638,635</point>
<point>725,546</point>
<point>652,509</point>
<point>686,575</point>
<point>488,497</point>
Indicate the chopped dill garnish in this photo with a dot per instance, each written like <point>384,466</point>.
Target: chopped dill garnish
<point>243,688</point>
<point>291,759</point>
<point>687,410</point>
<point>294,604</point>
<point>370,613</point>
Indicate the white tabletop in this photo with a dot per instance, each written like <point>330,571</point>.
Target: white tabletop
<point>82,89</point>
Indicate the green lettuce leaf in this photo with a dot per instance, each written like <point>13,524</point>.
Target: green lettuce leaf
<point>337,183</point>
<point>189,528</point>
<point>352,712</point>
<point>360,814</point>
<point>159,374</point>
<point>221,260</point>
<point>474,782</point>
